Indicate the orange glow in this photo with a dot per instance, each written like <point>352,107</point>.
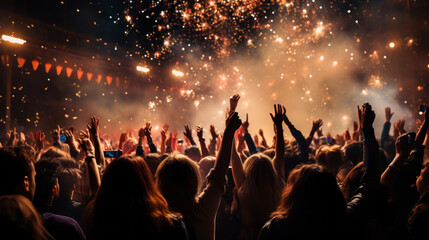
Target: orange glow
<point>89,76</point>
<point>69,71</point>
<point>35,64</point>
<point>59,69</point>
<point>79,74</point>
<point>48,67</point>
<point>109,80</point>
<point>99,77</point>
<point>21,62</point>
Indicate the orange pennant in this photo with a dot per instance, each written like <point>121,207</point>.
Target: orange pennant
<point>48,67</point>
<point>79,74</point>
<point>59,69</point>
<point>35,64</point>
<point>69,71</point>
<point>21,62</point>
<point>89,76</point>
<point>99,78</point>
<point>117,81</point>
<point>109,80</point>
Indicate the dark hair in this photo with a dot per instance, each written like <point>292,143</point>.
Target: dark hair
<point>152,160</point>
<point>312,195</point>
<point>15,164</point>
<point>352,181</point>
<point>47,172</point>
<point>418,221</point>
<point>19,219</point>
<point>127,204</point>
<point>353,152</point>
<point>68,176</point>
<point>193,153</point>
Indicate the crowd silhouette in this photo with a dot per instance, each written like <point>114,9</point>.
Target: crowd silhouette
<point>237,186</point>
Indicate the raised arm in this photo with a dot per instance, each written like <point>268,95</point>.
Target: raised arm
<point>237,167</point>
<point>263,141</point>
<point>140,150</point>
<point>94,130</point>
<point>302,143</point>
<point>316,125</point>
<point>386,127</point>
<point>247,137</point>
<point>213,140</point>
<point>278,161</point>
<point>204,150</point>
<point>93,174</point>
<point>147,132</point>
<point>164,137</point>
<point>74,152</point>
<point>188,135</point>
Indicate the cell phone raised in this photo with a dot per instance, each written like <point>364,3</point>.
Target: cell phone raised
<point>422,108</point>
<point>62,138</point>
<point>112,154</point>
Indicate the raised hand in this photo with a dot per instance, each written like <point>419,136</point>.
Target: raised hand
<point>56,134</point>
<point>163,134</point>
<point>147,129</point>
<point>388,112</point>
<point>316,125</point>
<point>200,132</point>
<point>279,115</point>
<point>87,146</point>
<point>188,133</point>
<point>399,126</point>
<point>261,132</point>
<point>232,123</point>
<point>93,126</point>
<point>233,101</point>
<point>245,125</point>
<point>367,116</point>
<point>402,146</point>
<point>359,111</point>
<point>40,140</point>
<point>69,137</point>
<point>346,136</point>
<point>213,132</point>
<point>141,133</point>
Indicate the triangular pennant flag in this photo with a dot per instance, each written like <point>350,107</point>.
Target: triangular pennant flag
<point>59,69</point>
<point>35,64</point>
<point>48,67</point>
<point>99,78</point>
<point>69,71</point>
<point>21,62</point>
<point>109,80</point>
<point>5,60</point>
<point>79,74</point>
<point>89,76</point>
<point>117,81</point>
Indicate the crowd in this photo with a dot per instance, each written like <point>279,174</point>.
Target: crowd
<point>238,186</point>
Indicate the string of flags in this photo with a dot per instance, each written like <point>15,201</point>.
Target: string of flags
<point>59,70</point>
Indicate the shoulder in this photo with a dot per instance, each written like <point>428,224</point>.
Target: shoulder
<point>176,229</point>
<point>274,227</point>
<point>61,226</point>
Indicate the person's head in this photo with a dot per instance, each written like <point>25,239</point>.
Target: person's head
<point>47,187</point>
<point>68,176</point>
<point>352,181</point>
<point>128,203</point>
<point>312,194</point>
<point>53,153</point>
<point>261,190</point>
<point>17,174</point>
<point>129,146</point>
<point>19,219</point>
<point>330,157</point>
<point>153,160</point>
<point>206,164</point>
<point>419,221</point>
<point>178,178</point>
<point>353,152</point>
<point>193,153</point>
<point>422,182</point>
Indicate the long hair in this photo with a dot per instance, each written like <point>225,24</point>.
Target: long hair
<point>259,194</point>
<point>178,178</point>
<point>127,204</point>
<point>312,196</point>
<point>20,220</point>
<point>352,181</point>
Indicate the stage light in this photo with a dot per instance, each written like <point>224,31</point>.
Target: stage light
<point>13,39</point>
<point>142,69</point>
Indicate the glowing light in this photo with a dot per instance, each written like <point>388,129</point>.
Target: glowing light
<point>142,69</point>
<point>345,117</point>
<point>13,39</point>
<point>279,40</point>
<point>322,58</point>
<point>392,45</point>
<point>335,63</point>
<point>364,92</point>
<point>177,73</point>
